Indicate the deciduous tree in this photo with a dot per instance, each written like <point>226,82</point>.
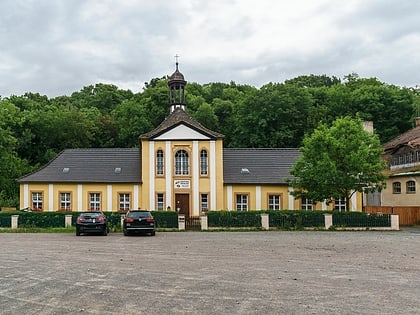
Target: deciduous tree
<point>338,161</point>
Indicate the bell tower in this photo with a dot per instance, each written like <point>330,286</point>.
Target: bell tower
<point>177,89</point>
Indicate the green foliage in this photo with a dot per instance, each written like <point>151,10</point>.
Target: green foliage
<point>234,219</point>
<point>292,219</point>
<point>165,219</point>
<point>337,161</point>
<point>35,128</point>
<point>360,219</point>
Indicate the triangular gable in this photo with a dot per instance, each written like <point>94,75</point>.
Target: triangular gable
<point>182,132</point>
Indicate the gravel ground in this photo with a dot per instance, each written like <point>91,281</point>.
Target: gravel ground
<point>211,273</point>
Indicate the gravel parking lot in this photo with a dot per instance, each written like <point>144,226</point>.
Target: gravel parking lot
<point>211,273</point>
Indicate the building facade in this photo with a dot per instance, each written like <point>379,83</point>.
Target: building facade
<point>180,166</point>
<point>402,155</point>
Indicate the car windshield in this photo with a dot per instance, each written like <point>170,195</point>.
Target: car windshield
<point>139,214</point>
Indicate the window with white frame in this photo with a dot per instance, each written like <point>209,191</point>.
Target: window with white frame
<point>95,201</point>
<point>124,202</point>
<point>204,162</point>
<point>65,201</point>
<point>307,204</point>
<point>37,201</point>
<point>396,188</point>
<point>160,201</point>
<point>181,163</point>
<point>411,187</point>
<point>204,202</point>
<point>160,163</point>
<point>241,202</point>
<point>273,202</point>
<point>340,204</point>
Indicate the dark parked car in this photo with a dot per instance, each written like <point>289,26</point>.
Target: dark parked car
<point>139,221</point>
<point>91,222</point>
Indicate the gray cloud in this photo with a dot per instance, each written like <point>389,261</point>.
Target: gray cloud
<point>57,47</point>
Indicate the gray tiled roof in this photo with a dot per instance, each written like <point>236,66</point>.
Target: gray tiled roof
<point>265,166</point>
<point>91,166</point>
<point>176,118</point>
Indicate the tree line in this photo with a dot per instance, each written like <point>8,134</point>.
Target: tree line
<point>35,128</point>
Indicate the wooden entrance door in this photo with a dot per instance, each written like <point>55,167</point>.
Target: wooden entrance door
<point>182,204</point>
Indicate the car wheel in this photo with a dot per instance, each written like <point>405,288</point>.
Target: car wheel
<point>105,232</point>
<point>125,233</point>
<point>153,233</point>
<point>77,232</point>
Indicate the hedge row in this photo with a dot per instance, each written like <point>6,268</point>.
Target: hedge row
<point>284,219</point>
<point>163,219</point>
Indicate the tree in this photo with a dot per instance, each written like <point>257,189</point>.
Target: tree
<point>338,161</point>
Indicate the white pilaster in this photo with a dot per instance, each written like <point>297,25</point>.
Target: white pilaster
<point>152,175</point>
<point>168,173</point>
<point>79,197</point>
<point>109,197</point>
<point>212,162</point>
<point>229,198</point>
<point>196,179</point>
<point>354,202</point>
<point>25,196</point>
<point>291,199</point>
<point>135,196</point>
<point>50,197</point>
<point>258,198</point>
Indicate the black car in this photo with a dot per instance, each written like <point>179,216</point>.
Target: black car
<point>91,222</point>
<point>139,221</point>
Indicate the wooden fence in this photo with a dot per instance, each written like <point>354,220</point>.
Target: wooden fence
<point>407,215</point>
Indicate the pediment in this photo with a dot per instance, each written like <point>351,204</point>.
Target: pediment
<point>182,132</point>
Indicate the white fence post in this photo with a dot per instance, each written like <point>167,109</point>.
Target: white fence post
<point>328,219</point>
<point>14,222</point>
<point>181,222</point>
<point>67,220</point>
<point>265,223</point>
<point>204,222</point>
<point>395,222</point>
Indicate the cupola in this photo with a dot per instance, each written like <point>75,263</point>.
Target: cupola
<point>177,90</point>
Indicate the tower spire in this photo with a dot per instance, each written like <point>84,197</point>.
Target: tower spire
<point>177,88</point>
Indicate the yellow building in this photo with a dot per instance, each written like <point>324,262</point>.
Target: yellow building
<point>180,165</point>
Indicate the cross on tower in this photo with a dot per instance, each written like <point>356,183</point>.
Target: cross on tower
<point>176,58</point>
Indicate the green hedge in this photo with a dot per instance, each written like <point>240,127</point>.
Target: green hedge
<point>163,219</point>
<point>296,219</point>
<point>283,219</point>
<point>234,219</point>
<point>360,219</point>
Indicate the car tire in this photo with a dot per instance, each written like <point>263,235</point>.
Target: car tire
<point>125,233</point>
<point>105,232</point>
<point>77,232</point>
<point>153,233</point>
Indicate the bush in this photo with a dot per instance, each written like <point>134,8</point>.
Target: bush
<point>295,219</point>
<point>234,219</point>
<point>165,219</point>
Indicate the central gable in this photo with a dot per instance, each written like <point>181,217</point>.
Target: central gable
<point>182,132</point>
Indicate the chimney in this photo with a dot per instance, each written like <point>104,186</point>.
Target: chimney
<point>368,126</point>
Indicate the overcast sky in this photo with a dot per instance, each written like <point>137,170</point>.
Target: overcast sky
<point>56,47</point>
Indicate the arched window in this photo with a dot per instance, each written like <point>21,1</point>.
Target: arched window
<point>411,187</point>
<point>159,162</point>
<point>396,188</point>
<point>181,163</point>
<point>204,163</point>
